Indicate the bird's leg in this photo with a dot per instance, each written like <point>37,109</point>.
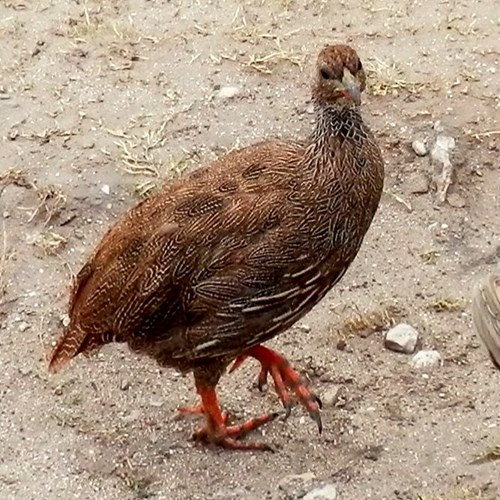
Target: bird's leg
<point>285,379</point>
<point>216,431</point>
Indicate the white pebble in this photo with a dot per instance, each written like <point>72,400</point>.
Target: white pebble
<point>402,338</point>
<point>425,359</point>
<point>419,147</point>
<point>228,92</point>
<point>326,492</point>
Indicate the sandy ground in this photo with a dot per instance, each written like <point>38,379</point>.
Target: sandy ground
<point>101,100</point>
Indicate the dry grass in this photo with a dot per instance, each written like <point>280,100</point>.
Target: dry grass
<point>139,485</point>
<point>47,134</point>
<point>266,63</point>
<point>399,200</point>
<point>481,135</point>
<point>430,256</point>
<point>138,150</point>
<point>52,202</point>
<point>176,167</point>
<point>17,177</point>
<point>388,79</point>
<point>94,22</point>
<point>50,243</point>
<point>366,323</point>
<point>447,304</point>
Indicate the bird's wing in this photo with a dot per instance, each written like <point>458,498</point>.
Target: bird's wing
<point>220,282</point>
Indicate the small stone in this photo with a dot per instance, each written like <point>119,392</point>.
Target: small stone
<point>304,327</point>
<point>65,320</point>
<point>105,189</point>
<point>456,200</point>
<point>86,143</point>
<point>125,385</point>
<point>438,126</point>
<point>326,492</point>
<point>440,152</point>
<point>335,396</point>
<point>341,345</point>
<point>6,215</point>
<point>25,370</point>
<point>310,108</point>
<point>228,92</point>
<point>402,338</point>
<point>23,326</point>
<point>425,359</point>
<point>419,147</point>
<point>293,485</point>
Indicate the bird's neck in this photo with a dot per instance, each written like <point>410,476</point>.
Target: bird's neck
<point>338,123</point>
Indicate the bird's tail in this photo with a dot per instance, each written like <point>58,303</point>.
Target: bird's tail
<point>67,347</point>
<point>486,316</point>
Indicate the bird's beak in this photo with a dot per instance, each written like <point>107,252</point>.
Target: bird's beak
<point>351,86</point>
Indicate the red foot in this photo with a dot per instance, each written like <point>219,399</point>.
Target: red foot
<point>217,432</point>
<point>285,378</point>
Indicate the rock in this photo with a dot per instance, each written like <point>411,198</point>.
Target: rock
<point>23,326</point>
<point>425,359</point>
<point>456,200</point>
<point>438,126</point>
<point>105,189</point>
<point>419,147</point>
<point>228,92</point>
<point>125,385</point>
<point>341,345</point>
<point>335,396</point>
<point>294,485</point>
<point>304,327</point>
<point>310,108</point>
<point>440,152</point>
<point>326,492</point>
<point>65,320</point>
<point>86,143</point>
<point>401,338</point>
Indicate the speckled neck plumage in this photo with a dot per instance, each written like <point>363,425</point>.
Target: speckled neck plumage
<point>341,122</point>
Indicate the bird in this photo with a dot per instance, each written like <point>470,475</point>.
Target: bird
<point>223,258</point>
<point>486,315</point>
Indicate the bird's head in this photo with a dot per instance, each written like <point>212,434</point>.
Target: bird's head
<point>340,77</point>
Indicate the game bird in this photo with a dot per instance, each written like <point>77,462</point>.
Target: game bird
<point>201,274</point>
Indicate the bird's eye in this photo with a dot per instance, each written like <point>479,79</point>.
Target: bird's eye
<point>360,66</point>
<point>325,74</point>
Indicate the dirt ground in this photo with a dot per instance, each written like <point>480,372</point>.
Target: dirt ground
<point>101,100</point>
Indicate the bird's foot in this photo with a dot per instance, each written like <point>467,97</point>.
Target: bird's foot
<point>228,436</point>
<point>285,379</point>
<point>216,430</point>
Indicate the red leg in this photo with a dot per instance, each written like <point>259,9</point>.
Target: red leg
<point>216,431</point>
<point>285,378</point>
